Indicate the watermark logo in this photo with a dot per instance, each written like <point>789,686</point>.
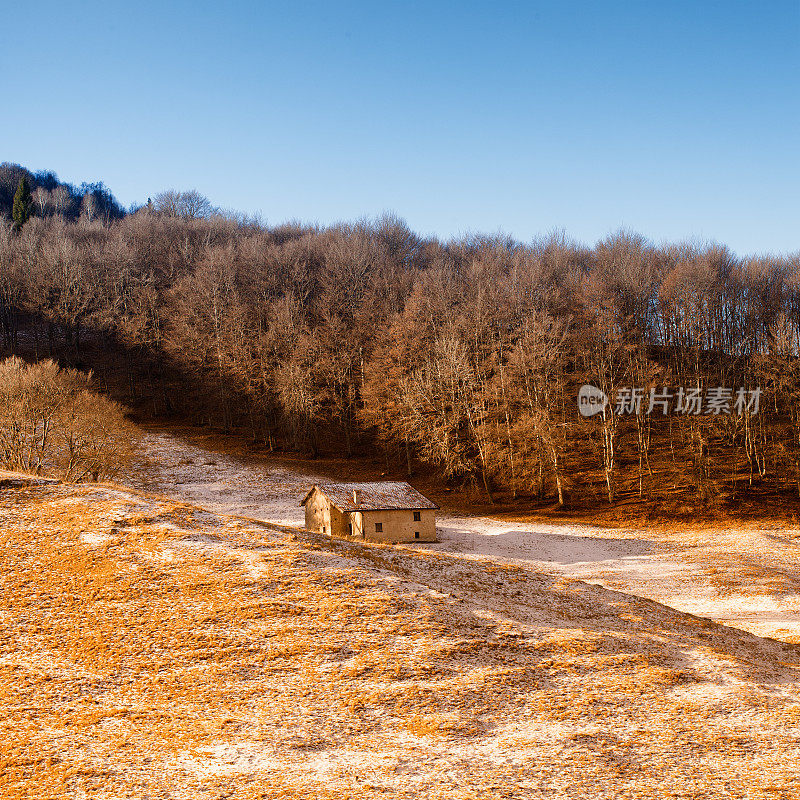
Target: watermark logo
<point>714,401</point>
<point>591,400</point>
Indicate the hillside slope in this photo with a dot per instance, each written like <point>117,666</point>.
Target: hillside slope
<point>152,648</point>
<point>743,575</point>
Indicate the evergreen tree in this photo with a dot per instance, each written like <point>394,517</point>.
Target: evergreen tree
<point>23,204</point>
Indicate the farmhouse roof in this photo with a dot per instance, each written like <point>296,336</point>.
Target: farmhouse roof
<point>377,496</point>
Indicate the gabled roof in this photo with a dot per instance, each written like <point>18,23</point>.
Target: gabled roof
<point>377,496</point>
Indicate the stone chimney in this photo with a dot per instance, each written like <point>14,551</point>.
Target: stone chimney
<point>356,497</point>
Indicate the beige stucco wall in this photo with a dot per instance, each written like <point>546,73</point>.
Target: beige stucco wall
<point>318,513</point>
<point>399,526</point>
<point>339,522</point>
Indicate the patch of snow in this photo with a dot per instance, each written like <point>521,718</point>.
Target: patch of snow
<point>315,767</point>
<point>226,484</point>
<point>94,539</point>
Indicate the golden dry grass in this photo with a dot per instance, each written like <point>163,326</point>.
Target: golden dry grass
<point>151,649</point>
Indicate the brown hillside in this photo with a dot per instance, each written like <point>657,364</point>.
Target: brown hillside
<point>154,649</point>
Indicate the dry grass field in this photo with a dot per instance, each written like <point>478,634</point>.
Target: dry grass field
<point>151,649</point>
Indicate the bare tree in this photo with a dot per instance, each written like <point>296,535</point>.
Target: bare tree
<point>186,205</point>
<point>51,421</point>
<point>43,202</point>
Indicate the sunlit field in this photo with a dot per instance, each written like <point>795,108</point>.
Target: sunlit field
<point>154,649</point>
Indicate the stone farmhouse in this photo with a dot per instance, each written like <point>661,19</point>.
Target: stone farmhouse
<point>385,511</point>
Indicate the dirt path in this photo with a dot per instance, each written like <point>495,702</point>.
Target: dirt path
<point>749,579</point>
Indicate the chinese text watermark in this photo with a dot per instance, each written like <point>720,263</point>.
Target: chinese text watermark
<point>713,401</point>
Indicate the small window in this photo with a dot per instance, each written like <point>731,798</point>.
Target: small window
<point>416,534</point>
<point>378,527</point>
<point>417,516</point>
<point>350,528</point>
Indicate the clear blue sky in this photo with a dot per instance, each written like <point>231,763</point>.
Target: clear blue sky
<point>675,119</point>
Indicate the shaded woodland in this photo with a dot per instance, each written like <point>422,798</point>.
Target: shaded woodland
<point>465,355</point>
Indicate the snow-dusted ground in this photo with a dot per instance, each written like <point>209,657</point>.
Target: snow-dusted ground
<point>154,649</point>
<point>747,579</point>
<point>223,483</point>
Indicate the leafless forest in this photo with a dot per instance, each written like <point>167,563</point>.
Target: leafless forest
<point>465,355</point>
